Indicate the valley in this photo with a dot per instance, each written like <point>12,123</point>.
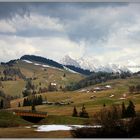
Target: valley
<point>101,90</point>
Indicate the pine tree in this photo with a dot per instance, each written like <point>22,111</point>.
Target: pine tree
<point>130,111</point>
<point>24,102</point>
<point>40,100</point>
<point>123,110</point>
<point>19,104</point>
<point>2,104</point>
<point>33,105</point>
<point>64,75</point>
<point>83,112</point>
<point>35,100</point>
<point>75,113</point>
<point>27,102</point>
<point>104,105</point>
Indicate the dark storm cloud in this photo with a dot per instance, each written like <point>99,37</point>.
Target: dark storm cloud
<point>92,29</point>
<point>10,9</point>
<point>66,11</point>
<point>69,15</point>
<point>39,33</point>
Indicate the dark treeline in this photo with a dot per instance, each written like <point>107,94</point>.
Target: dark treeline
<point>31,89</point>
<point>41,60</point>
<point>79,70</point>
<point>113,123</point>
<point>97,78</point>
<point>10,73</point>
<point>37,100</point>
<point>54,63</point>
<point>10,63</point>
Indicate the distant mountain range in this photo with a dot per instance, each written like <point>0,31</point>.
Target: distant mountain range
<point>93,65</point>
<point>47,62</point>
<point>83,65</point>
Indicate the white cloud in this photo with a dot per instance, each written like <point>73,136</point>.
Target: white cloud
<point>5,26</point>
<point>35,21</point>
<point>106,33</point>
<point>15,47</point>
<point>32,22</point>
<point>55,48</point>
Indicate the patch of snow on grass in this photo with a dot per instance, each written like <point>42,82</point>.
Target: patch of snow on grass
<point>27,61</point>
<point>48,128</point>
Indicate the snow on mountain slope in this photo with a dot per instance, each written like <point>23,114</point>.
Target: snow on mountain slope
<point>42,65</point>
<point>94,65</point>
<point>70,70</point>
<point>89,63</point>
<point>67,60</point>
<point>27,61</point>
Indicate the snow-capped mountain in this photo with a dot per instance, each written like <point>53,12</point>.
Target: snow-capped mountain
<point>67,60</point>
<point>94,65</point>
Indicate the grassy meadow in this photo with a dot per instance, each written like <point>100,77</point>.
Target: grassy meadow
<point>119,87</point>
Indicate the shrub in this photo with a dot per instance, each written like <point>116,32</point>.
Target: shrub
<point>83,113</point>
<point>130,111</point>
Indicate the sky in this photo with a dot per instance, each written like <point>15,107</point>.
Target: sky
<point>102,32</point>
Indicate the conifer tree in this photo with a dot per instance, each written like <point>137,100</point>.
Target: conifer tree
<point>19,104</point>
<point>75,113</point>
<point>24,102</point>
<point>33,105</point>
<point>104,105</point>
<point>40,100</point>
<point>123,110</point>
<point>2,104</point>
<point>130,111</point>
<point>83,112</point>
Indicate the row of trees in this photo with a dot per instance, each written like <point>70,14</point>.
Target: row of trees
<point>10,74</point>
<point>37,100</point>
<point>134,89</point>
<point>97,78</point>
<point>124,112</point>
<point>30,88</point>
<point>112,124</point>
<point>129,111</point>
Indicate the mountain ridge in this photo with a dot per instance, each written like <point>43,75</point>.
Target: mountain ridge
<point>53,63</point>
<point>83,66</point>
<point>94,65</point>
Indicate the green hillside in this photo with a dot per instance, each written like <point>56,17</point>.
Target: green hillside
<point>119,88</point>
<point>41,76</point>
<point>8,119</point>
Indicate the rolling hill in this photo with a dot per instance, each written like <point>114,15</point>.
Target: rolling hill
<point>41,73</point>
<point>37,60</point>
<point>93,101</point>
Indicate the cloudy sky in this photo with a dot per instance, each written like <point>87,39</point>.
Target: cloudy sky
<point>107,32</point>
